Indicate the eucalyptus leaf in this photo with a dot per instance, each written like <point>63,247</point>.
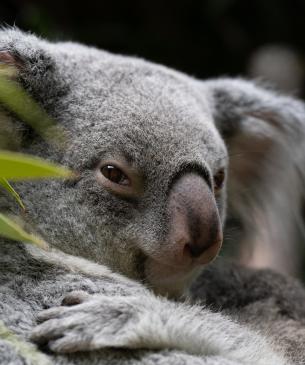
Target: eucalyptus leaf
<point>10,229</point>
<point>28,351</point>
<point>8,187</point>
<point>17,166</point>
<point>20,102</point>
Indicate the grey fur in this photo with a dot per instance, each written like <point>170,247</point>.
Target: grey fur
<point>166,123</point>
<point>266,301</point>
<point>126,315</point>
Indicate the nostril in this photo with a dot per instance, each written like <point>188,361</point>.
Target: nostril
<point>194,250</point>
<point>187,251</point>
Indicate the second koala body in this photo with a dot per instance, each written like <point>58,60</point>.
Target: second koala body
<point>150,147</point>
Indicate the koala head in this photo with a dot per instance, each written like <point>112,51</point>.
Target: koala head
<point>150,149</point>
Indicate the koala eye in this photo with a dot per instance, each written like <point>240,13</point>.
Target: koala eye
<point>219,179</point>
<point>115,175</point>
<point>120,178</point>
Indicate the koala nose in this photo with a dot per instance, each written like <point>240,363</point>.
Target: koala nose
<point>195,229</point>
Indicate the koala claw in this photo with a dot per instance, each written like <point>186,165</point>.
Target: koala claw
<point>146,322</point>
<point>94,322</point>
<point>75,297</point>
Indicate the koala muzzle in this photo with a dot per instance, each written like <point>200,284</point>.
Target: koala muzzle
<point>195,233</point>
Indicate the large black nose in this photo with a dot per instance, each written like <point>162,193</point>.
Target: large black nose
<point>195,228</point>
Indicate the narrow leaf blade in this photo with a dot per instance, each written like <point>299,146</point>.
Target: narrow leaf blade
<point>17,166</point>
<point>28,351</point>
<point>8,187</point>
<point>9,229</point>
<point>18,101</point>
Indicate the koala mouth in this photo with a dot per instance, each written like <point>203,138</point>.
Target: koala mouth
<point>165,279</point>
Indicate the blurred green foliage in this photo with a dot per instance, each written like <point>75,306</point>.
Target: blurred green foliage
<point>17,166</point>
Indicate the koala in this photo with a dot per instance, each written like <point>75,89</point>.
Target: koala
<point>159,157</point>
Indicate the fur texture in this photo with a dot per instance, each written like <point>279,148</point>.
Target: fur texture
<point>117,314</point>
<point>166,125</point>
<point>262,299</point>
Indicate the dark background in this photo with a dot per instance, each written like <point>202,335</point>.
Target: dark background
<point>204,38</point>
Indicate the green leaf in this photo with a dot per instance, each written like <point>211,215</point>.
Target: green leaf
<point>10,229</point>
<point>17,166</point>
<point>8,187</point>
<point>18,101</point>
<point>28,351</point>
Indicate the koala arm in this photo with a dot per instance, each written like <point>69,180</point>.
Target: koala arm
<point>92,322</point>
<point>127,315</point>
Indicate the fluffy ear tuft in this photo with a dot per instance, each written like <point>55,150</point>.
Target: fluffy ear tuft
<point>8,59</point>
<point>10,65</point>
<point>264,133</point>
<point>33,62</point>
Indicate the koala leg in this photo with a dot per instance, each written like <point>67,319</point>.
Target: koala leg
<point>148,322</point>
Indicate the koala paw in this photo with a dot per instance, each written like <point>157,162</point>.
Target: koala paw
<point>89,322</point>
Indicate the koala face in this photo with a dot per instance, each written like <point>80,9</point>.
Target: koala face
<point>149,197</point>
<point>151,165</point>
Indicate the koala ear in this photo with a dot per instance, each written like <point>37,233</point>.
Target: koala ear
<point>265,137</point>
<point>8,59</point>
<point>32,61</point>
